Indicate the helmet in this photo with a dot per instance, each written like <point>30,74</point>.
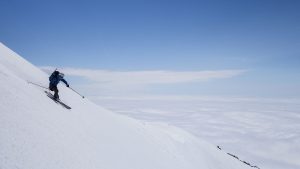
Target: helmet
<point>56,72</point>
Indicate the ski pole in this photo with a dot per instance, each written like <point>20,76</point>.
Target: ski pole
<point>76,92</point>
<point>37,85</point>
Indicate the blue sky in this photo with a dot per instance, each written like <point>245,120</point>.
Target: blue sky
<point>261,38</point>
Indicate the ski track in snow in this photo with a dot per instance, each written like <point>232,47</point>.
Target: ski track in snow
<point>264,132</point>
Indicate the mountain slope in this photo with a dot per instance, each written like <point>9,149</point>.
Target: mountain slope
<point>36,133</point>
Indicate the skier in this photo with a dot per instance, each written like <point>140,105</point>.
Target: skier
<point>54,79</point>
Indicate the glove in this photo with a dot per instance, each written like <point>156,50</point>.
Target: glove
<point>68,85</point>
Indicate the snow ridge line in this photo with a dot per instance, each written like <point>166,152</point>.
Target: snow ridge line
<point>234,156</point>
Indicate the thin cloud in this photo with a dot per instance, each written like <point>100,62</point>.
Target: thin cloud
<point>127,83</point>
<point>146,77</point>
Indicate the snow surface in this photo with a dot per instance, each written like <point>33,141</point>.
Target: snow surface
<point>36,133</point>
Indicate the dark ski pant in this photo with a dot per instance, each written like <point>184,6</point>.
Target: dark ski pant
<point>54,88</point>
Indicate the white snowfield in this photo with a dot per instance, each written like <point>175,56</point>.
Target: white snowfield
<point>37,133</point>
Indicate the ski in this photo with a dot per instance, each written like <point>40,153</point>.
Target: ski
<point>50,95</point>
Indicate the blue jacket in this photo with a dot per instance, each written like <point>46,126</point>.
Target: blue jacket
<point>55,79</point>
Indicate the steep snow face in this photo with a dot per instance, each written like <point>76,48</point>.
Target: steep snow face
<point>36,132</point>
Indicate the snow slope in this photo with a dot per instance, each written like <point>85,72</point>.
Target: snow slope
<point>36,133</point>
